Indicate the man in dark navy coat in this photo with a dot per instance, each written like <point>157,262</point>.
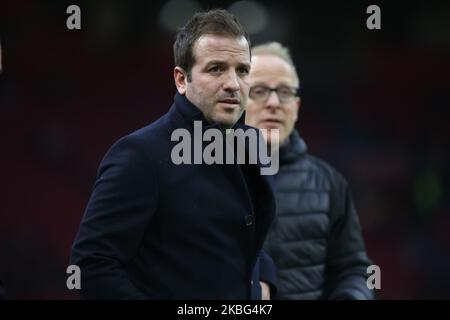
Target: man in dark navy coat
<point>154,229</point>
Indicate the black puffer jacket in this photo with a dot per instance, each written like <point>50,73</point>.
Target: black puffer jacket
<point>316,239</point>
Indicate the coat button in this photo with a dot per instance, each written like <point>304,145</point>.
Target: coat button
<point>249,220</point>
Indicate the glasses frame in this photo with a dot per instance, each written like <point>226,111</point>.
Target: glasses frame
<point>269,90</point>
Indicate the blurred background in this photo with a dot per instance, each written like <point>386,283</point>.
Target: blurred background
<point>375,106</point>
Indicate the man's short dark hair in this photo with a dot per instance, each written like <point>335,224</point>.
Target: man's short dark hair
<point>214,22</point>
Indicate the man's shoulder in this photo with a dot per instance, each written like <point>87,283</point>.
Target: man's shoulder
<point>147,140</point>
<point>325,169</point>
<point>158,131</point>
<point>315,166</point>
<point>152,130</point>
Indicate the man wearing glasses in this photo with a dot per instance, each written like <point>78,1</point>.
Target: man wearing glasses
<point>316,240</point>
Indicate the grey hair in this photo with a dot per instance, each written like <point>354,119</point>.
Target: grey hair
<point>278,50</point>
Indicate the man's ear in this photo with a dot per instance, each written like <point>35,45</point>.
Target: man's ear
<point>180,77</point>
<point>298,102</point>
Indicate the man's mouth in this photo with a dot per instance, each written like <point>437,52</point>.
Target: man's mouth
<point>230,101</point>
<point>271,123</point>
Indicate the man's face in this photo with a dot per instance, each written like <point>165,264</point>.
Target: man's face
<point>219,78</point>
<point>273,72</point>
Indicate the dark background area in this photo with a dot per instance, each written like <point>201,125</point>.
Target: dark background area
<point>375,106</point>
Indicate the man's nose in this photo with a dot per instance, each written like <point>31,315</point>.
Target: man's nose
<point>231,82</point>
<point>273,101</point>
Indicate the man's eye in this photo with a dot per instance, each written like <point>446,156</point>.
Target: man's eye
<point>285,91</point>
<point>259,91</point>
<point>243,71</point>
<point>215,69</point>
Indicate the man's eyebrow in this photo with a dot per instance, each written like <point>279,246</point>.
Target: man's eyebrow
<point>219,62</point>
<point>260,84</point>
<point>264,84</point>
<point>245,64</point>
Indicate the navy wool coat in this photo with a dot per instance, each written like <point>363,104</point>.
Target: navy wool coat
<point>156,230</point>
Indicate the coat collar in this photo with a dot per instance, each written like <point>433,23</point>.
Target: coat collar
<point>190,113</point>
<point>294,147</point>
<point>186,113</point>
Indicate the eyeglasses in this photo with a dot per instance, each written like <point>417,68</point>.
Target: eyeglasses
<point>262,93</point>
